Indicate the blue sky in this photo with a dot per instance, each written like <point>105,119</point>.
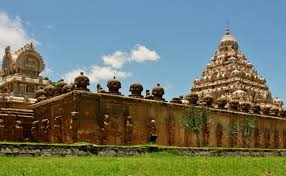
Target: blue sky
<point>177,38</point>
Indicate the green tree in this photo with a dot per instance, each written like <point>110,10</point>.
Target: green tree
<point>247,126</point>
<point>233,132</point>
<point>195,120</point>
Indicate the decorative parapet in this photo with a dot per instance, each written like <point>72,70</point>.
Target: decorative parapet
<point>91,95</point>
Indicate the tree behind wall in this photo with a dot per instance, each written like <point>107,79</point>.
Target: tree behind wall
<point>233,132</point>
<point>247,126</point>
<point>195,120</point>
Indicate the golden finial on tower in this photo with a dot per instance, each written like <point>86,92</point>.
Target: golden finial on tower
<point>227,31</point>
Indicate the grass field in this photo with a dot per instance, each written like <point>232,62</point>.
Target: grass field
<point>149,164</point>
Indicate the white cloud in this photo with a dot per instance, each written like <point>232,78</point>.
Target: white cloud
<point>69,76</point>
<point>139,54</point>
<point>104,73</point>
<point>113,65</point>
<point>12,33</point>
<point>96,74</point>
<point>115,60</point>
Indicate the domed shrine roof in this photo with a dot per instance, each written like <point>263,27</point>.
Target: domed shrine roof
<point>81,82</point>
<point>114,85</point>
<point>228,41</point>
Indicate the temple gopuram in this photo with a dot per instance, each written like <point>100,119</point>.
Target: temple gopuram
<point>230,79</point>
<point>230,89</point>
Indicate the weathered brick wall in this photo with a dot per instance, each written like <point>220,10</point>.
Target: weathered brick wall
<point>83,119</point>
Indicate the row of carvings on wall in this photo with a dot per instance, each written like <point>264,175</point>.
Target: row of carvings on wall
<point>107,133</point>
<point>15,129</point>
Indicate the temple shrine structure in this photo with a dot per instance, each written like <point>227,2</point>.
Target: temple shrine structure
<point>33,109</point>
<point>21,76</point>
<point>230,76</point>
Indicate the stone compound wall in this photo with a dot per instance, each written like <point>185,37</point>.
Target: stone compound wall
<point>43,150</point>
<point>109,119</point>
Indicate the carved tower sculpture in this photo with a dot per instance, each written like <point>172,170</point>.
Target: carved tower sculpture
<point>233,81</point>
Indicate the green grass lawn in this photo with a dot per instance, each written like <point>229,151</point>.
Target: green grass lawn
<point>149,164</point>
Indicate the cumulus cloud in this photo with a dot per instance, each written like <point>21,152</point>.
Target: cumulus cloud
<point>96,73</point>
<point>113,63</point>
<point>115,60</point>
<point>139,54</point>
<point>13,33</point>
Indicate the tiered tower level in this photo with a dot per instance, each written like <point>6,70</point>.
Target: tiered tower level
<point>21,74</point>
<point>230,76</point>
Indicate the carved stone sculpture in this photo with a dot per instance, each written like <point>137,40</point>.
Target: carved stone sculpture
<point>81,82</point>
<point>282,113</point>
<point>2,123</point>
<point>129,130</point>
<point>106,129</point>
<point>59,87</point>
<point>176,100</point>
<point>45,129</point>
<point>221,102</point>
<point>208,99</point>
<point>100,89</point>
<point>266,109</point>
<point>274,111</point>
<point>47,126</point>
<point>68,88</point>
<point>192,98</point>
<point>255,108</point>
<point>3,98</point>
<point>40,95</point>
<point>153,132</point>
<point>234,105</point>
<point>35,130</point>
<point>136,90</point>
<point>18,131</point>
<point>278,102</point>
<point>148,95</point>
<point>49,91</point>
<point>158,93</point>
<point>245,106</point>
<point>58,129</point>
<point>74,125</point>
<point>114,85</point>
